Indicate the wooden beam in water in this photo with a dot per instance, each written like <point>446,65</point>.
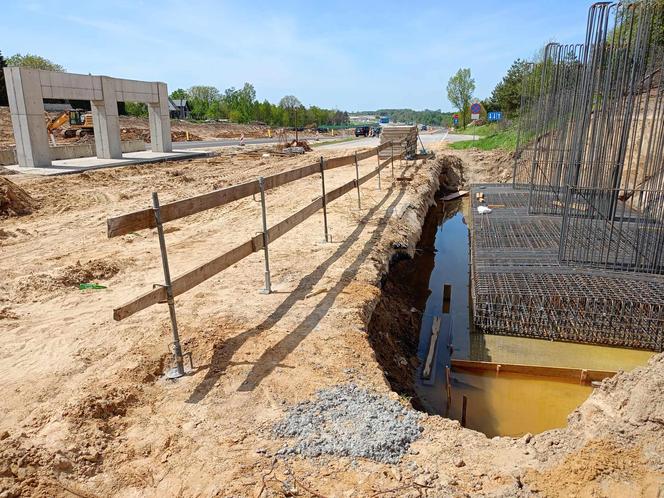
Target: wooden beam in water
<point>581,375</point>
<point>431,353</point>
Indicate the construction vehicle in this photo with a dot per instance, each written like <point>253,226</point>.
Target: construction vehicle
<point>80,124</point>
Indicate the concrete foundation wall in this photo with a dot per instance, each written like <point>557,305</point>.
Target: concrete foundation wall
<point>74,151</point>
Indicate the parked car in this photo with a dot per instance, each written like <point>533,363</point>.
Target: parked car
<point>423,128</point>
<point>322,129</point>
<point>376,131</point>
<point>362,131</point>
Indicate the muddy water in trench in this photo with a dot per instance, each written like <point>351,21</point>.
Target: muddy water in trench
<point>508,404</point>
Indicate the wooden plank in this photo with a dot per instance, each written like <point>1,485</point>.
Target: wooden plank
<point>431,353</point>
<point>139,220</point>
<point>143,301</point>
<point>293,220</point>
<point>337,162</point>
<point>192,278</point>
<point>366,154</point>
<point>577,374</point>
<point>279,179</point>
<point>455,195</point>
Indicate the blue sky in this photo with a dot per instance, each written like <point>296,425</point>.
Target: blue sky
<point>352,55</point>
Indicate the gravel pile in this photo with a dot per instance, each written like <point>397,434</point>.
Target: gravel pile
<point>350,421</point>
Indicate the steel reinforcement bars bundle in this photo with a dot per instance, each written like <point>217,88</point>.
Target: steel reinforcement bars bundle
<point>576,250</point>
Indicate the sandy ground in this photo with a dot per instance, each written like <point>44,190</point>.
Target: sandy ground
<point>87,413</point>
<point>133,128</point>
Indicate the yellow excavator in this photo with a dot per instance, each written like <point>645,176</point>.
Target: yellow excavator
<point>80,124</point>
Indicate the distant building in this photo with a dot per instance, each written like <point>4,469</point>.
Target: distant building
<point>178,108</point>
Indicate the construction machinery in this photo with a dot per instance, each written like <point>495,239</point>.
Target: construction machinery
<point>79,121</point>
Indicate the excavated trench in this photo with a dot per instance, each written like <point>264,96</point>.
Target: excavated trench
<point>431,291</point>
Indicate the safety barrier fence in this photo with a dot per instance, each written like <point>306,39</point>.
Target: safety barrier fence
<point>157,215</point>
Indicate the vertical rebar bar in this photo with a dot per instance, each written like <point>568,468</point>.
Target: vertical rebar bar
<point>178,371</point>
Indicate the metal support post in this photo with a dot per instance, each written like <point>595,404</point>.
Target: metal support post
<point>266,239</point>
<point>322,179</point>
<point>378,167</point>
<point>392,152</point>
<point>178,370</point>
<point>357,182</point>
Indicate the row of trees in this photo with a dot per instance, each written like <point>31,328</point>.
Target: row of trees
<point>242,106</point>
<point>427,116</point>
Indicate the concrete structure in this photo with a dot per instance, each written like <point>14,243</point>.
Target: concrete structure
<point>71,151</point>
<point>79,165</point>
<point>27,88</point>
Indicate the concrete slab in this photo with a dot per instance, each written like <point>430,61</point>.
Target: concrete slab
<point>81,164</point>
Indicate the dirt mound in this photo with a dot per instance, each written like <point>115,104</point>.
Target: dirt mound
<point>92,271</point>
<point>485,166</point>
<point>14,201</point>
<point>144,134</point>
<point>184,136</point>
<point>6,130</point>
<point>102,406</point>
<point>598,461</point>
<point>127,134</point>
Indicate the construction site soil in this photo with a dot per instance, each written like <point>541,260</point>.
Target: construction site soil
<point>88,413</point>
<point>135,128</point>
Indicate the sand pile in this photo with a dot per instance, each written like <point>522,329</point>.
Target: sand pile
<point>14,201</point>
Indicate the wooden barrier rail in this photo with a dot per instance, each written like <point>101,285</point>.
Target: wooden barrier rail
<point>178,209</point>
<point>571,374</point>
<point>139,220</point>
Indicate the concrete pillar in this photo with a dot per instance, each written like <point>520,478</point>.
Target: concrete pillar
<point>28,120</point>
<point>160,122</point>
<point>106,122</point>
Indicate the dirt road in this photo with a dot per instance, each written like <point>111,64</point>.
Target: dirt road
<point>86,411</point>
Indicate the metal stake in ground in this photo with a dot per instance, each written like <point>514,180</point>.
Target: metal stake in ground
<point>357,182</point>
<point>266,239</point>
<point>378,167</point>
<point>322,179</point>
<point>178,370</point>
<point>392,157</point>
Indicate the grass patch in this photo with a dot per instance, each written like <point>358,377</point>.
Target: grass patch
<point>505,140</point>
<point>480,131</point>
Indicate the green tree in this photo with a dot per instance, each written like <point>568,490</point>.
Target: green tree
<point>4,101</point>
<point>136,109</point>
<point>179,94</point>
<point>34,61</point>
<point>460,88</point>
<point>291,104</point>
<point>506,97</point>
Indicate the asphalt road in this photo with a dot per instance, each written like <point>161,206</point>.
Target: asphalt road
<point>427,139</point>
<point>230,142</point>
